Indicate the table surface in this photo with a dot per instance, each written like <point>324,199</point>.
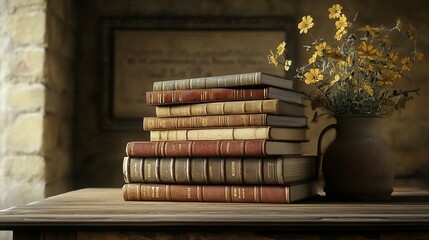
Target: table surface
<point>104,207</point>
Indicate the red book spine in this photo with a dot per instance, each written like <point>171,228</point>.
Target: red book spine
<point>204,95</point>
<point>250,148</point>
<point>206,193</point>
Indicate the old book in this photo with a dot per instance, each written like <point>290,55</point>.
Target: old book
<point>265,171</point>
<point>218,193</point>
<point>173,97</point>
<point>270,106</point>
<point>218,121</point>
<point>235,148</point>
<point>233,80</point>
<point>238,133</point>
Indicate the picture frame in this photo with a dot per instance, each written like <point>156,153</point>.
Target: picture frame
<point>139,51</point>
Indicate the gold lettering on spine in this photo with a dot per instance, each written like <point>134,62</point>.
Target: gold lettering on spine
<point>188,193</point>
<point>149,171</point>
<point>143,193</point>
<point>156,192</point>
<point>233,168</point>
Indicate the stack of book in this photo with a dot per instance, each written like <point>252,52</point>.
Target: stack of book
<point>232,138</point>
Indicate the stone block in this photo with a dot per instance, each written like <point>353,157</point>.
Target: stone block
<point>30,62</point>
<point>26,97</point>
<point>23,192</point>
<point>24,29</point>
<point>23,168</point>
<point>28,5</point>
<point>24,3</point>
<point>25,134</point>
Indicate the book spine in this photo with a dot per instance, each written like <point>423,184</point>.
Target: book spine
<point>244,79</point>
<point>204,95</point>
<point>266,171</point>
<point>251,148</point>
<point>259,133</point>
<point>219,108</point>
<point>206,193</point>
<point>154,123</point>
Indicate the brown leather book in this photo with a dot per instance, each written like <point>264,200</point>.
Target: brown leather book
<point>269,106</point>
<point>236,133</point>
<point>172,97</point>
<point>218,121</point>
<point>218,193</point>
<point>232,80</point>
<point>264,171</point>
<point>234,148</point>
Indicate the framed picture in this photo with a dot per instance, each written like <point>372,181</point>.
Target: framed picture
<point>138,52</point>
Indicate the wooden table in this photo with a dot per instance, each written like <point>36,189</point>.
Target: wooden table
<point>102,214</point>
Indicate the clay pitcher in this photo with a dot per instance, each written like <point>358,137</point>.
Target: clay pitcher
<point>357,165</point>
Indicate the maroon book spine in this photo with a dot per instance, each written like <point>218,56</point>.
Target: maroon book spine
<point>206,193</point>
<point>204,95</point>
<point>233,148</point>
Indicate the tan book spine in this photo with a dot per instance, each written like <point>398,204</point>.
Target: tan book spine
<point>206,193</point>
<point>259,133</point>
<point>156,123</point>
<point>220,108</point>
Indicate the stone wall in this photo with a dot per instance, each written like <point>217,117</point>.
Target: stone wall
<point>36,93</point>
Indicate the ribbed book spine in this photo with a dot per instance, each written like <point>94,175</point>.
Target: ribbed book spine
<point>219,108</point>
<point>251,148</point>
<point>235,80</point>
<point>265,171</point>
<point>204,95</point>
<point>206,193</point>
<point>155,123</point>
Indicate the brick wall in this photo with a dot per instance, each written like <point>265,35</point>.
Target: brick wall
<point>36,93</point>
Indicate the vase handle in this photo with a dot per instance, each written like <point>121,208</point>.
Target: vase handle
<point>319,145</point>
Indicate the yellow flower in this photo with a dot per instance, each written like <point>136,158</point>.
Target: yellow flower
<point>393,57</point>
<point>313,76</point>
<point>287,64</point>
<point>305,24</point>
<point>321,47</point>
<point>420,56</point>
<point>312,59</point>
<point>387,78</point>
<point>336,79</point>
<point>368,89</point>
<point>281,48</point>
<point>398,24</point>
<point>367,51</point>
<point>371,30</point>
<point>342,22</point>
<point>272,59</point>
<point>412,32</point>
<point>340,33</point>
<point>335,11</point>
<point>406,64</point>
